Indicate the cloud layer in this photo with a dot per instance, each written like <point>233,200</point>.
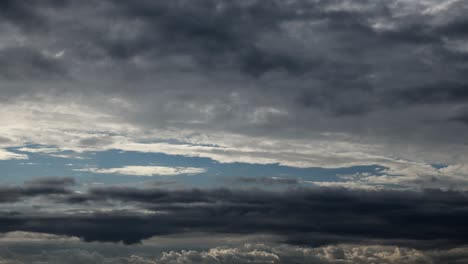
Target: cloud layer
<point>310,217</point>
<point>257,253</point>
<point>147,170</point>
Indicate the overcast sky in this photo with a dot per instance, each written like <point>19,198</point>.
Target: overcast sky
<point>245,131</point>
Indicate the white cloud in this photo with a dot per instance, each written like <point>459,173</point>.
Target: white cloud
<point>263,254</point>
<point>80,128</point>
<point>20,236</point>
<point>347,184</point>
<point>70,126</point>
<point>7,155</point>
<point>39,150</point>
<point>74,252</point>
<point>405,175</point>
<point>146,170</point>
<point>219,255</point>
<point>325,153</point>
<point>439,6</point>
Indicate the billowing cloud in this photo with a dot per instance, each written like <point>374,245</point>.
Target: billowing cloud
<point>250,253</point>
<point>298,216</point>
<point>246,253</point>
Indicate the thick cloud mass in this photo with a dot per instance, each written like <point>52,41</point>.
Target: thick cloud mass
<point>310,217</point>
<point>246,253</point>
<point>286,68</point>
<point>37,187</point>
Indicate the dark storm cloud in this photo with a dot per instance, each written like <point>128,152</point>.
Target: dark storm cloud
<point>20,12</point>
<point>456,28</point>
<point>448,91</point>
<point>51,181</point>
<point>230,34</point>
<point>224,32</point>
<point>217,34</point>
<point>461,118</point>
<point>23,63</point>
<point>47,186</point>
<point>313,217</point>
<point>322,52</point>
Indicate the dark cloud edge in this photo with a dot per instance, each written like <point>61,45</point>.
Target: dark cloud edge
<point>313,217</point>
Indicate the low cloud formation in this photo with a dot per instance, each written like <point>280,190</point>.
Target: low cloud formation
<point>247,253</point>
<point>263,254</point>
<point>426,219</point>
<point>47,186</point>
<point>51,182</point>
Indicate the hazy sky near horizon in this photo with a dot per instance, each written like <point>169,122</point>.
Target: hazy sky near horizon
<point>257,123</point>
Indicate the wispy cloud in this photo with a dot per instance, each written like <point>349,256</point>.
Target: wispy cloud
<point>8,155</point>
<point>145,170</point>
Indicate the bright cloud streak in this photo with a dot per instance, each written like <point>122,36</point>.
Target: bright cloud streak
<point>146,170</point>
<point>7,155</point>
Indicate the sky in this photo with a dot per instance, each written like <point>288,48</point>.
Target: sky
<point>233,131</point>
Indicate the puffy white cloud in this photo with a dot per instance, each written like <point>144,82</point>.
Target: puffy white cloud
<point>219,255</point>
<point>76,252</point>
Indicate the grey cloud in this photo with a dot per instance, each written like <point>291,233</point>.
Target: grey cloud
<point>47,186</point>
<point>162,183</point>
<point>312,54</point>
<point>238,36</point>
<point>278,70</point>
<point>251,253</point>
<point>460,117</point>
<point>25,63</point>
<point>51,181</point>
<point>438,92</point>
<point>428,219</point>
<point>95,141</point>
<point>20,12</point>
<point>268,180</point>
<point>4,140</point>
<point>246,253</point>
